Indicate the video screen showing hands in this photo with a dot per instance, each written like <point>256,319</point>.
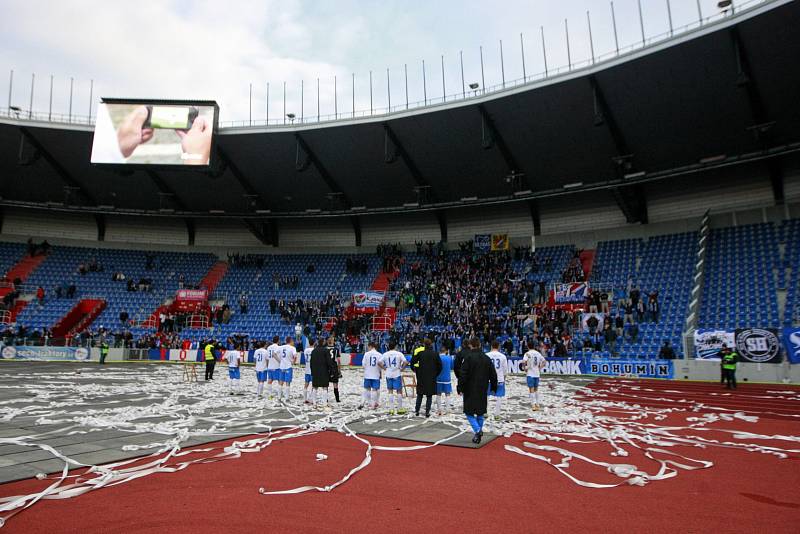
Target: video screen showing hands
<point>147,133</point>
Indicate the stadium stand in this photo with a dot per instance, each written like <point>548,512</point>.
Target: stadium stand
<point>61,269</point>
<point>746,264</point>
<point>789,271</point>
<point>740,287</point>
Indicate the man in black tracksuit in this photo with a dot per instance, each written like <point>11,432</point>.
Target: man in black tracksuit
<point>335,365</point>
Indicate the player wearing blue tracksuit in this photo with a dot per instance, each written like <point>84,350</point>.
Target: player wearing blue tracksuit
<point>443,382</point>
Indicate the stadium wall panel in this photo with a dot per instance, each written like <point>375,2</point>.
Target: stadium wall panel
<point>42,225</point>
<point>224,234</point>
<point>512,219</point>
<point>400,229</point>
<point>146,230</point>
<point>316,233</point>
<point>679,199</point>
<point>583,219</point>
<point>791,187</point>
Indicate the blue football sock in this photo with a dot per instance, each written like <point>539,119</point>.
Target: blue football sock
<point>475,423</point>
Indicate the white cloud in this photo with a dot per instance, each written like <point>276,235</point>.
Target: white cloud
<point>186,49</point>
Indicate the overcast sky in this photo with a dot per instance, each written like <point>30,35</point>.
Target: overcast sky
<point>214,50</point>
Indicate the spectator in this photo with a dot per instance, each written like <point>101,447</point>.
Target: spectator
<point>610,336</point>
<point>40,295</point>
<point>628,307</point>
<point>653,306</point>
<point>592,322</point>
<point>666,352</point>
<point>640,311</point>
<point>633,332</point>
<point>634,295</point>
<point>619,324</point>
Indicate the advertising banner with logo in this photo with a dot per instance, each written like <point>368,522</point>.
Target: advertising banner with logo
<point>601,317</point>
<point>574,293</point>
<point>791,340</point>
<point>707,343</point>
<point>641,369</point>
<point>190,299</point>
<point>758,345</point>
<point>368,299</point>
<point>500,242</point>
<point>23,352</point>
<point>192,294</point>
<point>554,366</point>
<point>482,242</point>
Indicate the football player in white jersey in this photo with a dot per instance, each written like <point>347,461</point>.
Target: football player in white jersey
<point>372,376</point>
<point>534,362</point>
<point>394,362</point>
<point>308,391</point>
<point>234,357</point>
<point>261,356</point>
<point>500,363</point>
<point>273,365</point>
<point>288,355</point>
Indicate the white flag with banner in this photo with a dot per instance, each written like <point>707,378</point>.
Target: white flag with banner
<point>708,342</point>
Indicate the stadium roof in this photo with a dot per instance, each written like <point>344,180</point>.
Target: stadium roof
<point>720,95</point>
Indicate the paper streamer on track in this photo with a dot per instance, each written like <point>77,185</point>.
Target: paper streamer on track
<point>165,406</point>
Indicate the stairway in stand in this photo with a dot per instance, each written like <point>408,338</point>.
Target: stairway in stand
<point>22,270</point>
<point>587,262</point>
<point>382,281</point>
<point>214,276</point>
<point>79,318</point>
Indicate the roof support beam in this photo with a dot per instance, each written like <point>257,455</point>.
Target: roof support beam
<point>400,150</point>
<point>261,230</point>
<point>323,172</point>
<point>261,203</point>
<point>165,189</point>
<point>632,202</point>
<point>190,231</point>
<point>244,182</point>
<point>491,136</point>
<point>100,219</point>
<point>630,199</point>
<point>62,173</point>
<point>441,216</point>
<point>177,201</point>
<point>533,206</point>
<point>356,222</point>
<point>745,80</point>
<point>604,116</point>
<point>761,121</point>
<point>776,179</point>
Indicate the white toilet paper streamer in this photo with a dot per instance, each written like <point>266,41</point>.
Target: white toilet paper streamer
<point>586,418</point>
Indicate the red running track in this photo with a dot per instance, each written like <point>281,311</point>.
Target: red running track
<point>764,400</point>
<point>442,489</point>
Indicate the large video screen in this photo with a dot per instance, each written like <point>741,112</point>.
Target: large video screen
<point>154,132</point>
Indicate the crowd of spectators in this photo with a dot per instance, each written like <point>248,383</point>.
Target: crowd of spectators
<point>391,256</point>
<point>309,311</point>
<point>38,249</point>
<point>285,281</point>
<point>247,260</point>
<point>574,270</point>
<point>356,266</point>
